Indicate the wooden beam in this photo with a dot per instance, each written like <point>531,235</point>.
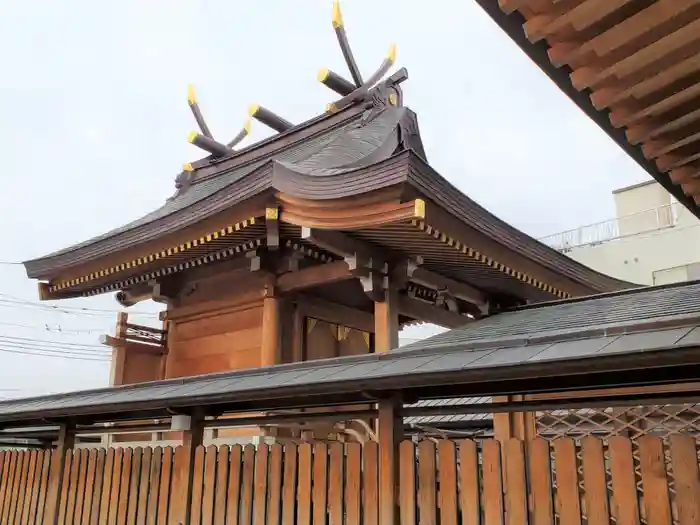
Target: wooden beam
<point>335,313</point>
<point>345,246</point>
<point>118,361</point>
<point>272,225</point>
<point>412,272</point>
<point>116,342</point>
<point>420,310</point>
<point>386,322</point>
<point>312,276</point>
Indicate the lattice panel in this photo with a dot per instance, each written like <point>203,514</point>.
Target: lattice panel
<point>633,423</point>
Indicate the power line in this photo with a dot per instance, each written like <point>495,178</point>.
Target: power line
<point>47,342</point>
<point>10,263</point>
<point>78,357</point>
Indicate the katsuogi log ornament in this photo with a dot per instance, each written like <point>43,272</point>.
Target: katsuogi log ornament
<point>358,88</point>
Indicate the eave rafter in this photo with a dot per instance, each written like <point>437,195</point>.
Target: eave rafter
<point>638,62</point>
<point>218,244</point>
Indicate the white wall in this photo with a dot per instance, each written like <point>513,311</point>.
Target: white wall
<point>642,254</point>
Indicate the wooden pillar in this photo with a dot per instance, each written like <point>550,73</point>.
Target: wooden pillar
<point>183,470</point>
<point>65,442</point>
<point>271,346</point>
<point>386,322</point>
<point>390,433</point>
<point>118,364</point>
<point>507,425</point>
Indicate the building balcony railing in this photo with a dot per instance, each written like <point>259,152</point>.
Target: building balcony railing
<point>642,222</point>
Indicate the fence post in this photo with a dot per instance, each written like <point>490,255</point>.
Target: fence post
<point>389,430</point>
<point>65,442</point>
<point>183,471</point>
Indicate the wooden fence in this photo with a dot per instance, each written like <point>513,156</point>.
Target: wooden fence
<point>564,482</point>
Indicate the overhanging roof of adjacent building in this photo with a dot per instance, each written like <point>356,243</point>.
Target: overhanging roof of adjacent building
<point>633,66</point>
<point>646,336</point>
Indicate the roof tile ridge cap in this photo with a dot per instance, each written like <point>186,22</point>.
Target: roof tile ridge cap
<point>272,138</point>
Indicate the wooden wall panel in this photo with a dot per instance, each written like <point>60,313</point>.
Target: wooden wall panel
<point>215,343</point>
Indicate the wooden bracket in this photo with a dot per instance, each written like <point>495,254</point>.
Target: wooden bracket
<point>272,225</point>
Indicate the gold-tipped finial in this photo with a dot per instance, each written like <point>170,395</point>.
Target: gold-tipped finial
<point>391,55</point>
<point>337,15</point>
<point>322,74</point>
<point>191,97</point>
<point>188,167</point>
<point>253,109</point>
<point>331,108</point>
<point>192,137</point>
<point>247,125</point>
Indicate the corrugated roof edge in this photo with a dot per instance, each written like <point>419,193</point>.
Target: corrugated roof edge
<point>412,350</point>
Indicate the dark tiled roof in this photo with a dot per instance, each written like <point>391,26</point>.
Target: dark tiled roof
<point>517,352</point>
<point>575,315</point>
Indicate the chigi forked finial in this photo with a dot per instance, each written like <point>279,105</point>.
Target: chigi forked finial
<point>350,92</point>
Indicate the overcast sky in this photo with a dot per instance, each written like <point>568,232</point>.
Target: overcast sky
<point>94,123</point>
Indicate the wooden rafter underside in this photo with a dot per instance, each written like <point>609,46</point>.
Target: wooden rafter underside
<point>639,61</point>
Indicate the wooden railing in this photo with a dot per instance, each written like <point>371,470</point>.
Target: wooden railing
<point>447,482</point>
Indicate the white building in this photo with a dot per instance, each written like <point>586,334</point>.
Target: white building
<point>653,239</point>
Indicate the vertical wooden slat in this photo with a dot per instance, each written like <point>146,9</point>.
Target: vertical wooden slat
<point>72,492</point>
<point>684,460</point>
<point>260,485</point>
<point>427,501</point>
<point>165,484</point>
<point>594,481</point>
<point>370,484</point>
<point>235,474</point>
<point>19,488</point>
<point>38,488</point>
<point>447,482</point>
<point>81,494</point>
<point>143,488</point>
<point>98,489</point>
<point>103,510</point>
<point>568,497</point>
<point>154,486</point>
<point>624,484</point>
<point>125,486</point>
<point>335,484</point>
<point>353,480</point>
<point>220,499</point>
<point>65,486</point>
<point>209,489</point>
<point>274,484</point>
<point>654,483</point>
<point>3,468</point>
<point>116,485</point>
<point>24,494</point>
<point>19,484</point>
<point>197,486</point>
<point>134,481</point>
<point>41,500</point>
<point>247,481</point>
<point>8,460</point>
<point>29,488</point>
<point>516,494</point>
<point>320,484</point>
<point>289,488</point>
<point>304,487</point>
<point>492,495</point>
<point>7,500</point>
<point>469,494</point>
<point>89,487</point>
<point>178,494</point>
<point>407,484</point>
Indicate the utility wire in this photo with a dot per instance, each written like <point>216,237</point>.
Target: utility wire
<point>78,357</point>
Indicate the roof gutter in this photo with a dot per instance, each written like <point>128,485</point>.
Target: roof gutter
<point>512,25</point>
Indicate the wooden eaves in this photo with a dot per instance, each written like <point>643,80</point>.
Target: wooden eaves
<point>633,66</point>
